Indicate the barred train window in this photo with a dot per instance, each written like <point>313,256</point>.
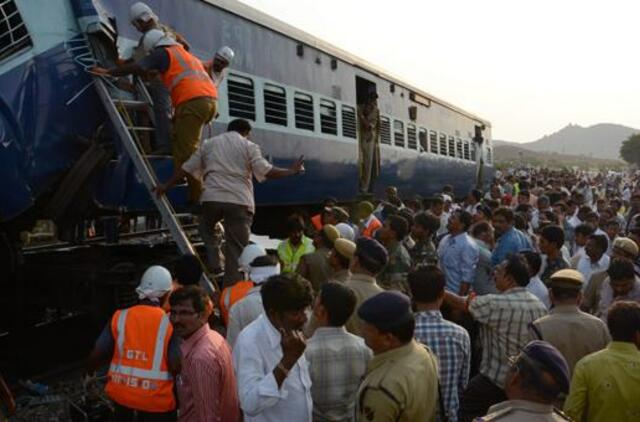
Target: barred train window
<point>443,144</point>
<point>349,128</point>
<point>458,148</point>
<point>466,150</point>
<point>398,133</point>
<point>13,31</point>
<point>422,138</point>
<point>242,102</point>
<point>275,105</point>
<point>411,137</point>
<point>328,118</point>
<point>303,104</point>
<point>473,152</point>
<point>385,131</point>
<point>433,142</point>
<point>452,147</point>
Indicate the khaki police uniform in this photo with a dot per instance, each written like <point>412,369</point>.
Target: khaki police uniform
<point>400,385</point>
<point>523,411</point>
<point>364,286</point>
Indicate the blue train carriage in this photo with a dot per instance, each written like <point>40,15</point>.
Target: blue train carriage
<point>59,160</point>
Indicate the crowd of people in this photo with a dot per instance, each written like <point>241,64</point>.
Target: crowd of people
<point>521,303</point>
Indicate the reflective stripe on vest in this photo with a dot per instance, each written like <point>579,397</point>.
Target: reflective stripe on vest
<point>186,77</point>
<point>158,353</point>
<point>187,73</point>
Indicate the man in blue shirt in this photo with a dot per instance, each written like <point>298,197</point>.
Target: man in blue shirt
<point>458,254</point>
<point>510,240</point>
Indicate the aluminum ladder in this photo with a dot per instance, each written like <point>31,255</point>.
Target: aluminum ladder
<point>118,115</point>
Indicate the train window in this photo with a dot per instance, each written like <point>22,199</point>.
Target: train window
<point>466,150</point>
<point>452,147</point>
<point>275,105</point>
<point>489,156</point>
<point>412,141</point>
<point>443,144</point>
<point>385,131</point>
<point>433,142</point>
<point>398,133</point>
<point>459,148</point>
<point>13,32</point>
<point>349,128</point>
<point>328,118</point>
<point>242,101</point>
<point>473,152</point>
<point>303,104</point>
<point>422,137</point>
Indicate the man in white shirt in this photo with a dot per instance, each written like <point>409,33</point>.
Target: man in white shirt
<point>227,164</point>
<point>247,309</point>
<point>595,259</point>
<point>274,384</point>
<point>536,286</point>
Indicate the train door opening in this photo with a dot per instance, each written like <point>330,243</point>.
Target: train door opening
<point>364,87</point>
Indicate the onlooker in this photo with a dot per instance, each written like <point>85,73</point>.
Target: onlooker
<point>595,259</point>
<point>391,234</point>
<point>535,379</point>
<point>437,210</point>
<point>536,286</point>
<point>510,240</point>
<point>606,384</point>
<point>368,260</point>
<point>504,323</point>
<point>247,309</point>
<point>483,283</point>
<point>448,341</point>
<point>268,357</point>
<point>574,333</point>
<point>315,266</point>
<point>551,242</point>
<point>206,386</point>
<point>294,246</point>
<point>401,383</point>
<point>582,233</point>
<point>458,254</point>
<point>423,230</point>
<point>337,359</point>
<point>621,285</point>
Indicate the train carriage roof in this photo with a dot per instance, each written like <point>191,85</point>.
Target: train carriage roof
<point>247,12</point>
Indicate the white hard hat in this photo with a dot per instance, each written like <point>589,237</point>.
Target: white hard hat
<point>225,53</point>
<point>346,231</point>
<point>140,11</point>
<point>249,253</point>
<point>155,283</point>
<point>156,38</point>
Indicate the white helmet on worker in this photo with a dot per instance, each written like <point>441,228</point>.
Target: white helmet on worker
<point>225,53</point>
<point>249,253</point>
<point>156,38</point>
<point>141,12</point>
<point>155,283</point>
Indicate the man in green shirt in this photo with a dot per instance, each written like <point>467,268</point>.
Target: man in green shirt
<point>606,384</point>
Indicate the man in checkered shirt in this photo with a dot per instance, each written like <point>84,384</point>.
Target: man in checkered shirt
<point>504,320</point>
<point>448,341</point>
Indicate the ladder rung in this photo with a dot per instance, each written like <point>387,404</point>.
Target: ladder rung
<point>141,128</point>
<point>132,103</point>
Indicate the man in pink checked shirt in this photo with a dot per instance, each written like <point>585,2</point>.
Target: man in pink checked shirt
<point>207,388</point>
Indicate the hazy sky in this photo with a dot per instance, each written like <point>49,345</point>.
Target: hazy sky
<point>528,67</point>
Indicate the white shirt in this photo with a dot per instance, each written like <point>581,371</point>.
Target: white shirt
<point>537,287</point>
<point>256,354</point>
<point>587,268</point>
<point>243,313</point>
<point>444,219</point>
<point>226,163</point>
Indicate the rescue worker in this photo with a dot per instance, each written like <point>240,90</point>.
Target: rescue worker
<point>144,354</point>
<point>534,381</point>
<point>237,291</point>
<point>368,223</point>
<point>221,60</point>
<point>294,246</point>
<point>401,383</point>
<point>193,94</point>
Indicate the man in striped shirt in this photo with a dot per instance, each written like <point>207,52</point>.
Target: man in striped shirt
<point>504,321</point>
<point>447,340</point>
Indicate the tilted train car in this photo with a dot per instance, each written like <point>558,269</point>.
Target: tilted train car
<point>58,158</point>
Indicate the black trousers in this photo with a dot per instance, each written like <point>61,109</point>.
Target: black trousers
<point>124,414</point>
<point>478,397</point>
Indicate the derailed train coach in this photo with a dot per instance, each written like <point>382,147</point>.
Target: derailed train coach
<point>60,160</point>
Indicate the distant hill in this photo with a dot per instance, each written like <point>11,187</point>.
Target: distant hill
<point>512,155</point>
<point>601,141</point>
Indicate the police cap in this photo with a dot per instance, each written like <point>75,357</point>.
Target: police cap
<point>372,250</point>
<point>551,360</point>
<point>567,279</point>
<point>386,310</point>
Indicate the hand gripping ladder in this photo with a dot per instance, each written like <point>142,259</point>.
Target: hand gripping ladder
<point>117,110</point>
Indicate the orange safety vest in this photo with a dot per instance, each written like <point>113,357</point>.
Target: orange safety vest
<point>316,220</point>
<point>139,375</point>
<point>186,77</point>
<point>233,294</point>
<point>374,225</point>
